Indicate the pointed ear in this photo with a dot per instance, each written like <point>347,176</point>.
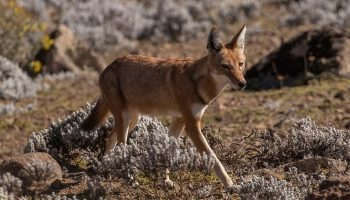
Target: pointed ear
<point>239,40</point>
<point>214,41</point>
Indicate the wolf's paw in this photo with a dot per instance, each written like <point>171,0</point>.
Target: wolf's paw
<point>135,184</point>
<point>231,189</point>
<point>169,184</point>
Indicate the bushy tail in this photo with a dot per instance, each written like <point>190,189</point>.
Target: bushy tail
<point>96,117</point>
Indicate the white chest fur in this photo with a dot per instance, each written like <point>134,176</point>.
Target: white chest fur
<point>198,109</point>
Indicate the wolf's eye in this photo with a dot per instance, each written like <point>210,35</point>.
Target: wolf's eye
<point>241,64</point>
<point>226,66</point>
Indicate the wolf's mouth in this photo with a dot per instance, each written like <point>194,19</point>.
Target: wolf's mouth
<point>236,87</point>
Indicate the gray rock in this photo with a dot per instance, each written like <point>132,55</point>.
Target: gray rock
<point>309,54</point>
<point>68,53</point>
<point>34,169</point>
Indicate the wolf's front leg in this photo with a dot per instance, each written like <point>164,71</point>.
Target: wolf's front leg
<point>193,130</point>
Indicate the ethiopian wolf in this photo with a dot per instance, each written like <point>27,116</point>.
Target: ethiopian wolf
<point>181,88</point>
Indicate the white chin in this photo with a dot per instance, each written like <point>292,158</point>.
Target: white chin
<point>235,87</point>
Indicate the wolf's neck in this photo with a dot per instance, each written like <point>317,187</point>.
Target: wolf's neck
<point>208,84</point>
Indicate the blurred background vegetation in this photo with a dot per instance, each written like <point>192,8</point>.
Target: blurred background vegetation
<point>113,28</point>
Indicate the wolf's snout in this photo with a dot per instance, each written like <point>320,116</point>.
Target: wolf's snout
<point>242,85</point>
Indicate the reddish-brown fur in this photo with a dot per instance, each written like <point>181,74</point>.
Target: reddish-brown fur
<point>181,88</point>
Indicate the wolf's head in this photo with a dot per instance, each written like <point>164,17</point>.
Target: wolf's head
<point>228,61</point>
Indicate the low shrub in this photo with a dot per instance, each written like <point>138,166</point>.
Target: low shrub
<point>306,139</point>
<point>263,188</point>
<point>10,186</point>
<point>121,22</point>
<point>149,148</point>
<point>318,12</point>
<point>15,83</point>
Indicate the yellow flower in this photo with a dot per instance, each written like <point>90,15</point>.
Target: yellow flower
<point>36,66</point>
<point>80,162</point>
<point>34,27</point>
<point>42,26</point>
<point>47,42</point>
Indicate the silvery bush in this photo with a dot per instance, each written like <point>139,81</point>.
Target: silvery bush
<point>10,186</point>
<point>306,139</point>
<point>12,108</point>
<point>264,188</point>
<point>295,186</point>
<point>54,196</point>
<point>7,108</point>
<point>120,22</point>
<point>4,194</point>
<point>63,137</point>
<point>260,188</point>
<point>95,188</point>
<point>15,83</point>
<point>235,11</point>
<point>149,148</point>
<point>319,12</point>
<point>123,22</point>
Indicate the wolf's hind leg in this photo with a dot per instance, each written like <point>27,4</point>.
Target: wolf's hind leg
<point>134,118</point>
<point>119,134</point>
<point>176,128</point>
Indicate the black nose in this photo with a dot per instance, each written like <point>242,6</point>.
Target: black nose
<point>242,84</point>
